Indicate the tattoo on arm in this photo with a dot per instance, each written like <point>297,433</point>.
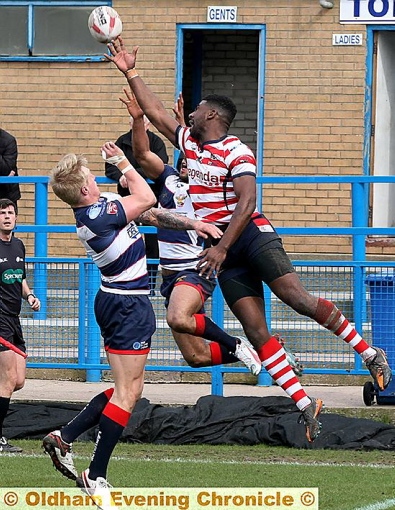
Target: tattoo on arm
<point>165,219</point>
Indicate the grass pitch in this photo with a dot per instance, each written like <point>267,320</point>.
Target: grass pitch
<point>347,480</point>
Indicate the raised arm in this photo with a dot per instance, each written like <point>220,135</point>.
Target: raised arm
<point>162,218</point>
<point>150,162</point>
<point>151,105</point>
<point>141,196</point>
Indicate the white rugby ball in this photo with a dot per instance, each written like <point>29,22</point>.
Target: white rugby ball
<point>104,24</point>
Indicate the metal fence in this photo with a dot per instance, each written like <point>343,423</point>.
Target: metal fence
<point>64,333</point>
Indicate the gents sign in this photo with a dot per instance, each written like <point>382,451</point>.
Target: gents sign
<point>222,14</point>
<point>367,11</point>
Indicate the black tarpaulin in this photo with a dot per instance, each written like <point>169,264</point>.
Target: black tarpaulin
<point>213,420</point>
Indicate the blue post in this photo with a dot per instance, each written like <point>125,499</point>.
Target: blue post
<point>217,381</point>
<point>82,312</point>
<point>359,219</point>
<point>41,246</point>
<point>217,376</point>
<point>93,336</point>
<point>264,378</point>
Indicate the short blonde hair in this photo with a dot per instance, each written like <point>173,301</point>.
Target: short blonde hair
<point>67,178</point>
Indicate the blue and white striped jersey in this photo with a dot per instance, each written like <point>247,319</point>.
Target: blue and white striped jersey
<point>178,249</point>
<point>116,246</point>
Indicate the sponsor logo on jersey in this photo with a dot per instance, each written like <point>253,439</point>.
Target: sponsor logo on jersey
<point>19,259</point>
<point>112,208</point>
<point>263,224</point>
<point>132,230</point>
<point>11,276</point>
<point>266,228</point>
<point>94,210</point>
<point>206,177</point>
<point>3,260</point>
<point>179,197</point>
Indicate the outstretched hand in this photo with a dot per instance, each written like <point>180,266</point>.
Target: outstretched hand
<point>109,150</point>
<point>178,110</point>
<point>131,104</point>
<point>207,229</point>
<point>120,56</point>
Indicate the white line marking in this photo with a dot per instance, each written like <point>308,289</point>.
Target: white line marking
<point>262,463</point>
<point>382,505</point>
<point>213,461</point>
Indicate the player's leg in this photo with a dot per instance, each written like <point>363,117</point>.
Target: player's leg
<point>59,443</point>
<point>12,371</point>
<point>244,295</point>
<point>185,314</point>
<point>198,352</point>
<point>291,291</point>
<point>20,372</point>
<point>128,374</point>
<point>20,360</point>
<point>127,323</point>
<point>8,381</point>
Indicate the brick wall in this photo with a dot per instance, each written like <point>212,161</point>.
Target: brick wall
<point>314,102</point>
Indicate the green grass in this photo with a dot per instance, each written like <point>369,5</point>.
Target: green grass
<point>347,480</point>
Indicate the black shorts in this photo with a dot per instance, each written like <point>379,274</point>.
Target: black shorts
<point>263,265</point>
<point>187,277</point>
<point>11,330</point>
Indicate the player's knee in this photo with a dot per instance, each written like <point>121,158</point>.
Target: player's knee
<point>135,394</point>
<point>178,323</point>
<point>129,401</point>
<point>9,385</point>
<point>19,385</point>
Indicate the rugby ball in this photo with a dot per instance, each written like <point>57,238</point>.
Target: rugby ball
<point>104,24</point>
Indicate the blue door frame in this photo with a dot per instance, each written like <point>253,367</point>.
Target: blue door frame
<point>197,78</point>
<point>368,110</point>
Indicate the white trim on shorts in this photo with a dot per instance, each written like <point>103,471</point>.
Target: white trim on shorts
<point>125,292</point>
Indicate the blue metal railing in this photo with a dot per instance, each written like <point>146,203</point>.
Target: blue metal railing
<point>89,356</point>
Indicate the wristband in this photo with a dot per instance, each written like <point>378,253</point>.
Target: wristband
<point>126,169</point>
<point>131,73</point>
<point>114,160</point>
<point>31,294</point>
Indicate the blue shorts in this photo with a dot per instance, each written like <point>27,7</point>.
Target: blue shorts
<point>127,322</point>
<point>187,277</point>
<point>11,330</point>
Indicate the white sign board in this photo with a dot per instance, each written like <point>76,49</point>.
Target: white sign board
<point>346,39</point>
<point>221,14</point>
<point>367,11</point>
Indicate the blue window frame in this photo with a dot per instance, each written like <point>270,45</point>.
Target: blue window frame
<point>48,30</point>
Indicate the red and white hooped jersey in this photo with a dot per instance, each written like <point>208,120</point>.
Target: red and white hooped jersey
<point>212,167</point>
